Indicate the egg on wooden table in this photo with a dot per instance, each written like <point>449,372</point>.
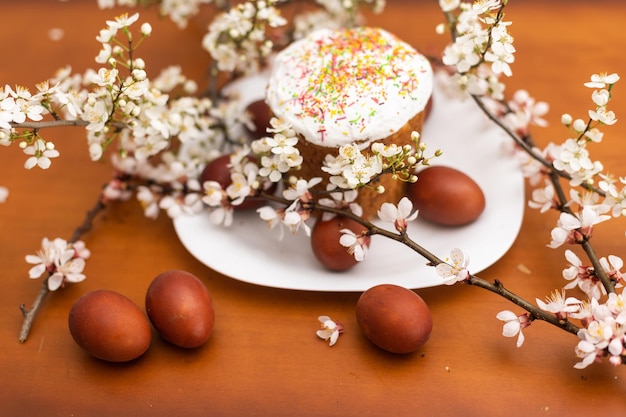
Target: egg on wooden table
<point>109,326</point>
<point>446,196</point>
<point>394,318</point>
<point>180,308</point>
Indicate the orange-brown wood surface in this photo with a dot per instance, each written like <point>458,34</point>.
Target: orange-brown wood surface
<point>264,358</point>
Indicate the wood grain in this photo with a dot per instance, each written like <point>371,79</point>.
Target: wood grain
<point>264,358</point>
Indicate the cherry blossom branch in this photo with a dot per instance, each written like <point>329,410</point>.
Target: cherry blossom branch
<point>536,313</point>
<point>61,123</point>
<point>29,314</point>
<point>599,271</point>
<point>496,287</point>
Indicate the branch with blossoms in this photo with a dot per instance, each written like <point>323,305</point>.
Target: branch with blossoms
<point>146,118</point>
<point>478,54</point>
<point>163,131</point>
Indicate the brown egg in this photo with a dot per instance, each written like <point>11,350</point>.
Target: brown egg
<point>109,326</point>
<point>261,116</point>
<point>446,196</point>
<point>394,318</point>
<point>180,308</point>
<point>325,244</point>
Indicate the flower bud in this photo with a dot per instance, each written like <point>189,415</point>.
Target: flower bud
<point>139,63</point>
<point>566,119</point>
<point>146,29</point>
<point>579,125</point>
<point>139,74</point>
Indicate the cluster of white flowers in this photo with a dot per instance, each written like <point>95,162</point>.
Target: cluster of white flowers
<point>482,48</point>
<point>334,14</point>
<point>278,154</point>
<point>222,199</point>
<point>237,39</point>
<point>132,108</point>
<point>605,333</point>
<point>180,11</point>
<point>18,106</point>
<point>351,168</point>
<point>602,331</point>
<point>294,216</point>
<point>63,261</point>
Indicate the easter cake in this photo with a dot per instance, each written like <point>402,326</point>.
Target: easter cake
<point>350,86</point>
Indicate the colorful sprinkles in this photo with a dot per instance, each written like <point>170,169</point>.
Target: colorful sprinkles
<point>347,76</point>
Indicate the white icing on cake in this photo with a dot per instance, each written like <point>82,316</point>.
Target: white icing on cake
<point>356,85</point>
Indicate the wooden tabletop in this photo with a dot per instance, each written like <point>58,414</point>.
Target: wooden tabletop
<point>264,358</point>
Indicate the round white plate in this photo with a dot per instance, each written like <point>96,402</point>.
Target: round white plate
<point>249,252</point>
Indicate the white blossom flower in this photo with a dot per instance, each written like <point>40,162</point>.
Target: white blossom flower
<point>573,228</point>
<point>67,270</point>
<point>222,215</point>
<point>105,77</point>
<point>456,270</point>
<point>41,152</point>
<point>300,189</point>
<point>4,194</point>
<point>122,21</point>
<point>97,115</point>
<point>527,110</point>
<point>239,188</point>
<point>581,276</point>
<point>604,335</point>
<point>601,97</point>
<point>149,200</point>
<point>602,80</point>
<point>588,352</point>
<point>62,261</point>
<point>501,55</point>
<point>602,115</point>
<point>295,219</point>
<point>341,200</point>
<point>399,215</point>
<point>330,330</point>
<point>386,151</point>
<point>559,305</point>
<point>176,204</point>
<point>612,266</point>
<point>357,244</point>
<point>272,217</point>
<point>449,5</point>
<point>273,167</point>
<point>116,189</point>
<point>616,303</point>
<point>514,324</point>
<point>281,144</point>
<point>543,198</point>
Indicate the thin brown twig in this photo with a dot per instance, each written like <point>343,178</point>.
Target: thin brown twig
<point>29,314</point>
